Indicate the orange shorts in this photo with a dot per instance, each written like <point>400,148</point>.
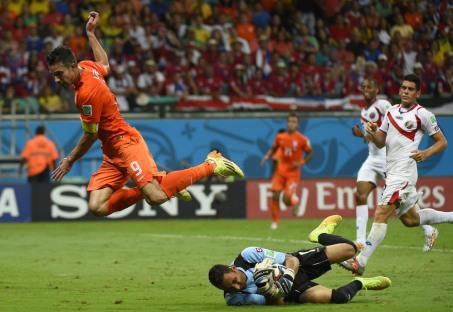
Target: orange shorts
<point>132,160</point>
<point>287,184</point>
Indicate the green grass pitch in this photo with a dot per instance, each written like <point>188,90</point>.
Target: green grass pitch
<point>163,265</point>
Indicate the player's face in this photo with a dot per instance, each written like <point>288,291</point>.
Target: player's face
<point>63,74</point>
<point>369,90</point>
<point>233,281</point>
<point>408,93</point>
<point>293,124</point>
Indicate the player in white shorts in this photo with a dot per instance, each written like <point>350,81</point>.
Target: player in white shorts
<point>373,169</point>
<point>401,132</point>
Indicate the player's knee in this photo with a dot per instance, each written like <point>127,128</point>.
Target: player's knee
<point>410,222</point>
<point>350,250</point>
<point>361,198</point>
<point>339,296</point>
<point>96,208</point>
<point>380,215</point>
<point>156,198</point>
<point>275,195</point>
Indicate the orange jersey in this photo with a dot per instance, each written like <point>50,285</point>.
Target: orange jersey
<point>40,153</point>
<point>289,151</point>
<point>97,104</point>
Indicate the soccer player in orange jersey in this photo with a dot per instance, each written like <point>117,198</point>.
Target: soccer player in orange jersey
<point>288,150</point>
<point>125,153</point>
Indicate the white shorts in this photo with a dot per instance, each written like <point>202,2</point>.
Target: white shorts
<point>372,170</point>
<point>399,190</point>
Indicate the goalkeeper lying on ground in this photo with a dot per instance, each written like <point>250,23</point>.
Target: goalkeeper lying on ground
<point>262,276</point>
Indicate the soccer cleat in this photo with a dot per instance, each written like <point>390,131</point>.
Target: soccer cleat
<point>184,195</point>
<point>430,240</point>
<point>374,283</point>
<point>294,200</point>
<point>352,265</point>
<point>274,225</point>
<point>224,167</point>
<point>327,225</point>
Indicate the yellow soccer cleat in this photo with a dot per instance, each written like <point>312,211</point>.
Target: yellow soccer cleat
<point>184,195</point>
<point>224,167</point>
<point>327,226</point>
<point>374,283</point>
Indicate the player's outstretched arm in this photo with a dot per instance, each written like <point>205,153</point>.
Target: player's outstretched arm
<point>268,155</point>
<point>440,143</point>
<point>85,142</point>
<point>99,53</point>
<point>376,136</point>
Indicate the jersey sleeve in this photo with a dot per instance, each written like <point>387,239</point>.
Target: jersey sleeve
<point>428,122</point>
<point>384,105</point>
<point>100,69</point>
<point>90,104</point>
<point>258,254</point>
<point>385,123</point>
<point>235,299</point>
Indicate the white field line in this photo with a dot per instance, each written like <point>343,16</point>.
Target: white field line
<point>275,240</point>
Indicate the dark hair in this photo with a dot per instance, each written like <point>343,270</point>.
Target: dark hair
<point>292,114</point>
<point>216,274</point>
<point>40,130</point>
<point>371,80</point>
<point>413,78</point>
<point>61,54</point>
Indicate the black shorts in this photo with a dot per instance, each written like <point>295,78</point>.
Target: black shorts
<point>313,264</point>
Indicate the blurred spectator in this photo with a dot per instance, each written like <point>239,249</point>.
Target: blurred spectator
<point>409,57</point>
<point>279,83</point>
<point>424,84</point>
<point>405,30</point>
<point>51,103</point>
<point>237,84</point>
<point>320,38</point>
<point>413,17</point>
<point>152,80</point>
<point>445,83</point>
<point>263,56</point>
<point>257,85</point>
<point>121,84</point>
<point>208,84</point>
<point>177,86</point>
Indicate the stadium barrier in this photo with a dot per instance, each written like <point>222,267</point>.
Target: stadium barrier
<point>239,199</point>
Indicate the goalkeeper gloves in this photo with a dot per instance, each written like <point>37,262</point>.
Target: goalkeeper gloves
<point>285,283</point>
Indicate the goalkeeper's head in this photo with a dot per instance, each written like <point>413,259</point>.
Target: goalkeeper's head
<point>227,278</point>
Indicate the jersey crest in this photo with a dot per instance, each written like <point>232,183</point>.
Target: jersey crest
<point>87,110</point>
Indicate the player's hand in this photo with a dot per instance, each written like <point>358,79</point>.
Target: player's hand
<point>62,169</point>
<point>356,131</point>
<point>286,281</point>
<point>92,22</point>
<point>371,128</point>
<point>419,156</point>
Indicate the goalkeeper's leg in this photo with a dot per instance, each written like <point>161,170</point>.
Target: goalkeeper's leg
<point>321,294</point>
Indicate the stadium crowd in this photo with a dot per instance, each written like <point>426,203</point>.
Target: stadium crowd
<point>285,48</point>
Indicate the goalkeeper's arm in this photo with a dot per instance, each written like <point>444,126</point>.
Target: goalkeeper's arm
<point>292,263</point>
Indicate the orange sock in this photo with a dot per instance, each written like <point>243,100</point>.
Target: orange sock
<point>123,198</point>
<point>275,209</point>
<point>176,181</point>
